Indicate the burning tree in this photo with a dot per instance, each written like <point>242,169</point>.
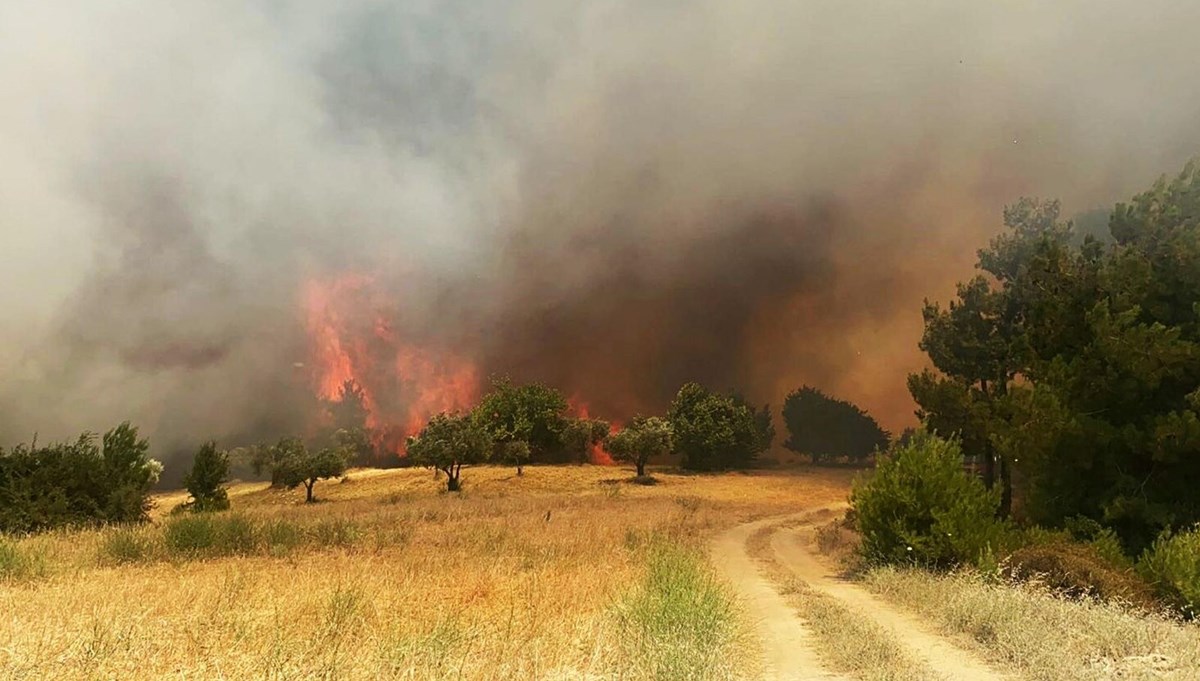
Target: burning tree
<point>582,435</point>
<point>449,442</point>
<point>643,439</point>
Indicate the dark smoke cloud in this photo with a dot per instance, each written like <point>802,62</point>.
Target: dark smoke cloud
<point>612,197</point>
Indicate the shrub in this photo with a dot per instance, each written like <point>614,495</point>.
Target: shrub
<point>281,537</point>
<point>17,562</point>
<point>83,482</point>
<point>210,469</point>
<point>1077,570</point>
<point>921,507</point>
<point>184,535</point>
<point>125,545</point>
<point>210,536</point>
<point>1172,565</point>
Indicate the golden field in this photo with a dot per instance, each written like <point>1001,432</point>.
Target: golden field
<point>387,577</point>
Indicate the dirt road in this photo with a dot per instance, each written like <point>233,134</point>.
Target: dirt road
<point>787,642</point>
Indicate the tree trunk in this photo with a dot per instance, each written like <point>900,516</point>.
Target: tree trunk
<point>451,472</point>
<point>308,490</point>
<point>641,468</point>
<point>1006,489</point>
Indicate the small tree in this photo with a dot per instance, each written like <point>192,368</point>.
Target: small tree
<point>448,442</point>
<point>210,469</point>
<point>293,464</point>
<point>641,440</point>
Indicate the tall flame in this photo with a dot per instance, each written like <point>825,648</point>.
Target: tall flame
<point>403,383</point>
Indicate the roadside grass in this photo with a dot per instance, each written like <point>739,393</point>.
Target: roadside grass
<point>1041,637</point>
<point>847,641</point>
<point>388,577</point>
<point>680,622</point>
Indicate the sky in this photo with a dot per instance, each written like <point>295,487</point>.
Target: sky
<point>612,197</point>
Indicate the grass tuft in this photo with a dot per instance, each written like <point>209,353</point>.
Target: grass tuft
<point>679,623</point>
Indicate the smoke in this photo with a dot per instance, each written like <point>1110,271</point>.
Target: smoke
<point>613,197</point>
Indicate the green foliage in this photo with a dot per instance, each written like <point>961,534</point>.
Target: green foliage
<point>827,428</point>
<point>214,535</point>
<point>450,441</point>
<point>714,432</point>
<point>534,414</point>
<point>210,470</point>
<point>126,545</point>
<point>679,622</point>
<point>292,463</point>
<point>1172,565</point>
<point>1077,363</point>
<point>644,438</point>
<point>17,562</point>
<point>582,434</point>
<point>919,507</point>
<point>83,482</point>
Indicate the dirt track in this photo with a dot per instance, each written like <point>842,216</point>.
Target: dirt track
<point>786,640</point>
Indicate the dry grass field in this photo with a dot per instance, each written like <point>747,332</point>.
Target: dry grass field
<point>565,572</point>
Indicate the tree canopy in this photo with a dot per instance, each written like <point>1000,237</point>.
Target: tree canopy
<point>210,470</point>
<point>641,440</point>
<point>1077,363</point>
<point>713,431</point>
<point>533,413</point>
<point>827,428</point>
<point>449,442</point>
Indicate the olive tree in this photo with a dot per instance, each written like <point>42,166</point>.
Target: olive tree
<point>641,440</point>
<point>449,442</point>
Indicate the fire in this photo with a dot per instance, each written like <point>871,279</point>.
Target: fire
<point>598,455</point>
<point>354,336</point>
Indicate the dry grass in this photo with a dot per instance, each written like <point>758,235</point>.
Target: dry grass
<point>1044,638</point>
<point>518,577</point>
<point>847,642</point>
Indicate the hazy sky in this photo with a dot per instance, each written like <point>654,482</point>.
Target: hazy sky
<point>611,196</point>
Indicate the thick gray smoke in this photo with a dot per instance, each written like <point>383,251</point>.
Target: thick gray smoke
<point>613,197</point>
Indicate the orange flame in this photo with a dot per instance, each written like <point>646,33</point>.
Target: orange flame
<point>404,384</point>
<point>598,454</point>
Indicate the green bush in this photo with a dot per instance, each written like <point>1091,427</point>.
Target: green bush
<point>335,532</point>
<point>201,536</point>
<point>17,562</point>
<point>85,482</point>
<point>1172,565</point>
<point>281,537</point>
<point>190,535</point>
<point>920,507</point>
<point>125,545</point>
